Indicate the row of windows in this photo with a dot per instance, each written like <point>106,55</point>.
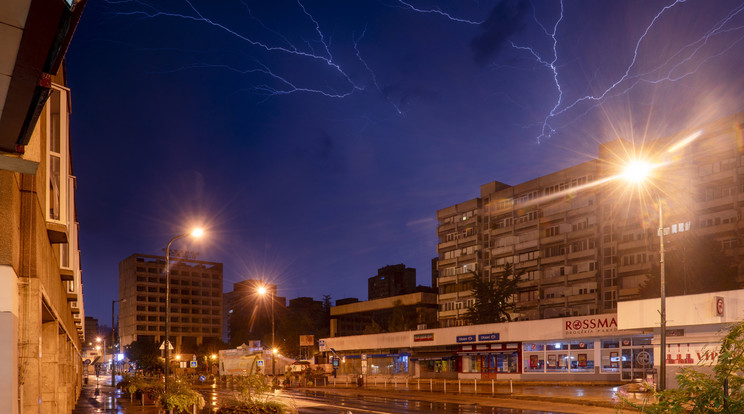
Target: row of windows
<point>159,271</point>
<point>506,203</point>
<point>142,308</point>
<point>451,271</point>
<point>459,252</point>
<point>177,319</point>
<point>460,217</point>
<point>153,289</point>
<point>178,329</point>
<point>456,305</point>
<point>161,280</point>
<point>182,301</point>
<point>458,235</point>
<point>574,247</point>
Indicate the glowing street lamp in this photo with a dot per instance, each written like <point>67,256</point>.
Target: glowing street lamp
<point>196,233</point>
<point>637,172</point>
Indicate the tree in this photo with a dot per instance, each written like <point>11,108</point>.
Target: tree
<point>493,298</point>
<point>372,328</point>
<point>698,392</point>
<point>693,264</point>
<point>145,354</point>
<point>401,318</point>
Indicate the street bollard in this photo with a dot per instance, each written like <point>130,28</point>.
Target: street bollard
<point>493,390</point>
<point>475,386</point>
<point>459,387</point>
<point>445,386</point>
<point>418,384</point>
<point>511,387</point>
<point>431,384</point>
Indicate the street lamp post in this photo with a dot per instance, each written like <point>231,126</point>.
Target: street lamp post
<point>195,233</point>
<point>99,339</point>
<point>262,291</point>
<point>637,172</point>
<point>113,342</point>
<point>662,311</point>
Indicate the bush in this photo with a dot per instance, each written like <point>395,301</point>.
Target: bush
<point>255,407</point>
<point>180,398</point>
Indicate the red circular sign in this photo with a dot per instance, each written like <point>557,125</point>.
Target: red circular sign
<point>719,306</point>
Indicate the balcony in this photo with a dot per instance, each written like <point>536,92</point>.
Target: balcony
<point>711,204</point>
<point>447,314</point>
<point>553,301</point>
<point>581,234</point>
<point>592,274</point>
<point>498,251</point>
<point>634,268</point>
<point>632,245</point>
<point>581,254</point>
<point>554,239</point>
<point>582,211</point>
<point>586,297</point>
<point>446,245</point>
<point>553,259</point>
<point>527,283</point>
<point>630,293</point>
<point>444,297</point>
<point>530,244</point>
<point>443,280</point>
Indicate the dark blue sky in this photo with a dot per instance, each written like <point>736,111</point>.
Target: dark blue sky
<point>315,140</point>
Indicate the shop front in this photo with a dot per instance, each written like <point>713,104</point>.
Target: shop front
<point>582,348</point>
<point>490,361</point>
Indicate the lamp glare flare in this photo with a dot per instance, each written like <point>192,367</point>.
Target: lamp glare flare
<point>637,171</point>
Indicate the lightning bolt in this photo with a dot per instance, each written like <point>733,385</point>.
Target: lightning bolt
<point>438,12</point>
<point>371,72</point>
<point>664,72</point>
<point>677,67</point>
<point>285,86</point>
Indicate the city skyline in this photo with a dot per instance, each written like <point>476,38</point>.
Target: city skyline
<point>316,141</point>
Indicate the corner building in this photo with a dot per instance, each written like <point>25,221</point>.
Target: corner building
<point>195,301</point>
<point>584,239</point>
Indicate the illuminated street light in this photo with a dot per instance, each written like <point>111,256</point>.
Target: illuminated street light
<point>263,291</point>
<point>196,233</point>
<point>638,172</point>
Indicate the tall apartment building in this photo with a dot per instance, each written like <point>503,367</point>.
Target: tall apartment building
<point>195,300</point>
<point>391,280</point>
<point>245,304</point>
<point>584,238</point>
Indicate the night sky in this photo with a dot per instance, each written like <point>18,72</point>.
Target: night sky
<point>315,140</point>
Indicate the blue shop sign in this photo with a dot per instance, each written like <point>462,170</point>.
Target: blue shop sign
<point>466,338</point>
<point>488,337</point>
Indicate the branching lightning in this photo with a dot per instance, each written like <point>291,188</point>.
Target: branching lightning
<point>677,67</point>
<point>665,72</point>
<point>285,86</point>
<point>437,11</point>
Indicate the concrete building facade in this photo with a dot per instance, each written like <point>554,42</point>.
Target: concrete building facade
<point>195,300</point>
<point>583,237</point>
<point>41,302</point>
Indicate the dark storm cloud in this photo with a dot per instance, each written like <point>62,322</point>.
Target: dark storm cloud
<point>320,153</point>
<point>504,20</point>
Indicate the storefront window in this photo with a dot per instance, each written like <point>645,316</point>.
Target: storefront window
<point>556,357</point>
<point>439,365</point>
<point>582,356</point>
